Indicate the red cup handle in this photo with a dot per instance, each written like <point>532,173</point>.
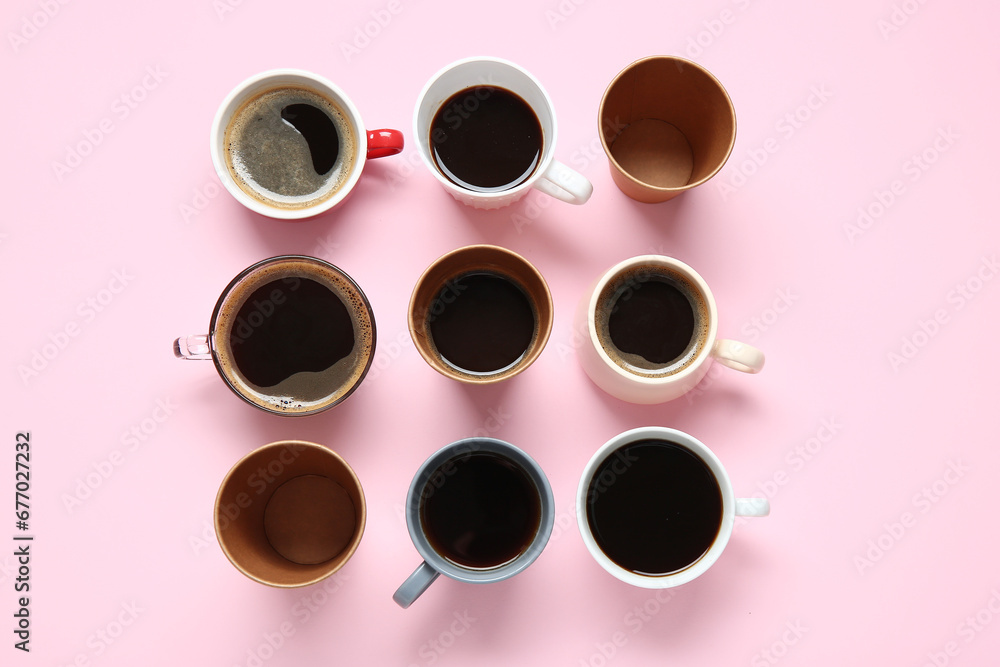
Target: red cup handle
<point>384,142</point>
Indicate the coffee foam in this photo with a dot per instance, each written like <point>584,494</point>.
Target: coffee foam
<point>306,391</point>
<point>256,132</point>
<point>636,364</point>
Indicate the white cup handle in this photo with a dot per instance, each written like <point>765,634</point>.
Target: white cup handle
<point>752,507</point>
<point>738,356</point>
<point>563,183</point>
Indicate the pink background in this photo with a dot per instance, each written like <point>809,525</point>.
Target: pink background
<point>882,543</point>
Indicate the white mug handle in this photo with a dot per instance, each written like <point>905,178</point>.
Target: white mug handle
<point>738,356</point>
<point>752,507</point>
<point>563,183</point>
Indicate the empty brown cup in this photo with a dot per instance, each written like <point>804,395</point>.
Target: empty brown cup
<point>442,283</point>
<point>667,125</point>
<point>290,513</point>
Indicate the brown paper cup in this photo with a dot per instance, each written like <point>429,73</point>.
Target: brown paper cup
<point>290,514</point>
<point>448,270</point>
<point>667,125</point>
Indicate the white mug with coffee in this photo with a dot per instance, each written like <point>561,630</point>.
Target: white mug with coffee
<point>656,507</point>
<point>652,331</point>
<point>487,130</point>
<point>289,144</point>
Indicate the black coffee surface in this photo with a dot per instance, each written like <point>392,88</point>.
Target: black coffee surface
<point>486,139</point>
<point>654,507</point>
<point>288,326</point>
<point>481,323</point>
<point>480,510</point>
<point>319,132</point>
<point>652,319</point>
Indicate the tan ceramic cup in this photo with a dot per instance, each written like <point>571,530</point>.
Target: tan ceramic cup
<point>447,272</point>
<point>290,514</point>
<point>667,125</point>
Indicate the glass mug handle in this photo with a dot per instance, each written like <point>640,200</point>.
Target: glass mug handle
<point>563,183</point>
<point>738,356</point>
<point>192,347</point>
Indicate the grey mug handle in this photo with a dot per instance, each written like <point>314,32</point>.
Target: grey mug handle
<point>415,585</point>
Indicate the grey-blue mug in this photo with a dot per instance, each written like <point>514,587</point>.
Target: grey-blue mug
<point>479,510</point>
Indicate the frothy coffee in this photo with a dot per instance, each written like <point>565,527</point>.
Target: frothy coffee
<point>293,335</point>
<point>652,321</point>
<point>290,147</point>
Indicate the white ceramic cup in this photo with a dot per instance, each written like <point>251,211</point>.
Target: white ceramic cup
<point>366,144</point>
<point>732,507</point>
<point>653,386</point>
<point>550,176</point>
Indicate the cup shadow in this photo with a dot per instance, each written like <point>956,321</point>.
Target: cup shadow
<point>707,397</point>
<point>377,177</point>
<point>536,219</point>
<point>669,619</point>
<point>492,609</point>
<point>319,235</point>
<point>469,405</point>
<point>309,236</point>
<point>252,427</point>
<point>673,221</point>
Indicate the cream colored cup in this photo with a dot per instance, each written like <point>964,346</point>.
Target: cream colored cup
<point>611,372</point>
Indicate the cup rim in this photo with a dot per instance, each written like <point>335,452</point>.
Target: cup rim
<point>624,172</point>
<point>537,346</point>
<point>343,557</point>
<point>708,457</point>
<point>695,278</point>
<point>242,275</point>
<point>259,82</point>
<point>454,570</point>
<point>548,148</point>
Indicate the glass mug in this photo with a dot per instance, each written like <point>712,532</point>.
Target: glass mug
<point>291,335</point>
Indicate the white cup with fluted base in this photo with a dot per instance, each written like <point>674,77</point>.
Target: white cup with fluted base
<point>651,327</point>
<point>478,77</point>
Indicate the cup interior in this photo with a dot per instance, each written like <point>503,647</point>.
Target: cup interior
<point>697,567</point>
<point>424,303</point>
<point>474,446</point>
<point>287,78</point>
<point>667,123</point>
<point>476,72</point>
<point>290,513</point>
